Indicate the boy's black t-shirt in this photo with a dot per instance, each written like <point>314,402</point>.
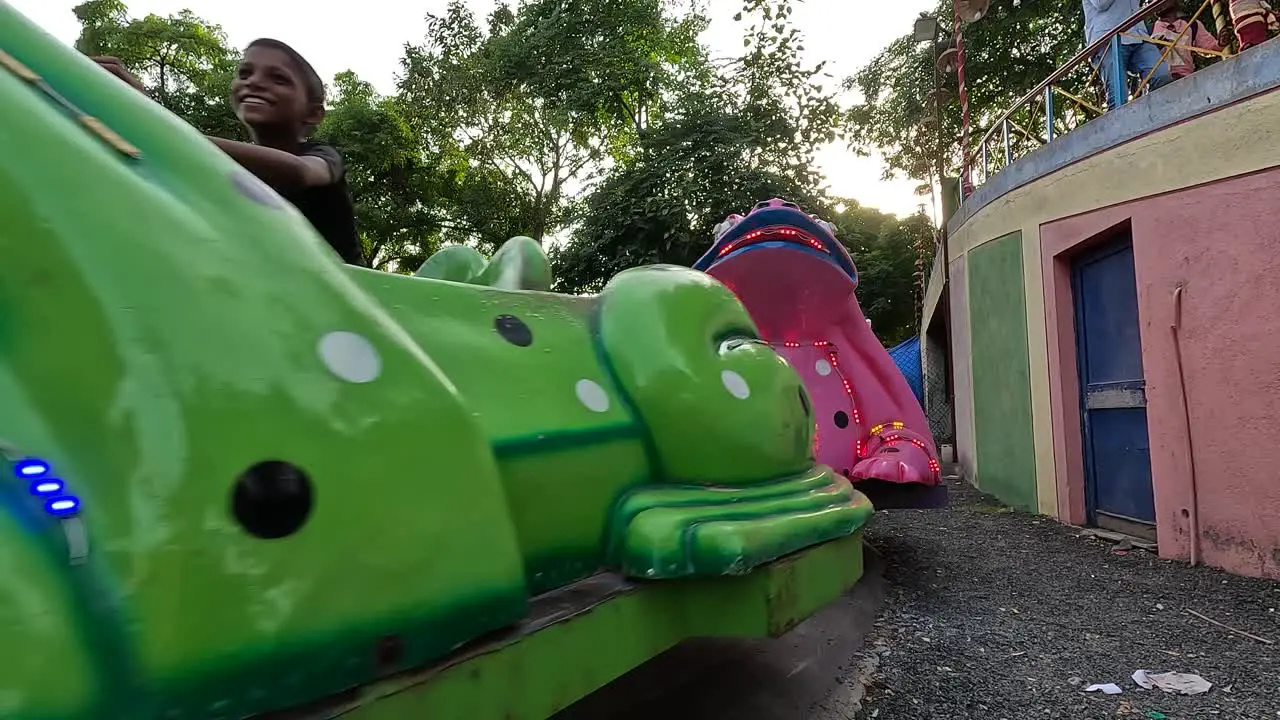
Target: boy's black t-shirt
<point>329,207</point>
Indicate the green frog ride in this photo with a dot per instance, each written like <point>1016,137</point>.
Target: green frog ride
<point>241,480</point>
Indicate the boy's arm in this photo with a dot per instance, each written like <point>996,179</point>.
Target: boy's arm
<point>279,169</point>
<point>115,67</point>
<point>1205,40</point>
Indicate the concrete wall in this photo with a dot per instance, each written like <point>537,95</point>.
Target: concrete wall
<point>1001,378</point>
<point>1220,243</point>
<point>1188,166</point>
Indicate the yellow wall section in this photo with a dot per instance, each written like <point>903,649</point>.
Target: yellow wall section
<point>1038,364</point>
<point>962,367</point>
<point>1208,148</point>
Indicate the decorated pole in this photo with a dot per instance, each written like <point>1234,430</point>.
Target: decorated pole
<point>966,11</point>
<point>966,185</point>
<point>1220,22</point>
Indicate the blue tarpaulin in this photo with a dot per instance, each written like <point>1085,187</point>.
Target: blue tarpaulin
<point>907,357</point>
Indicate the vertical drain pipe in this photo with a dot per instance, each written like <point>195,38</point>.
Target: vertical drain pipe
<point>1186,414</point>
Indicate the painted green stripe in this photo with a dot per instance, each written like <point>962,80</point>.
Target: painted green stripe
<point>1001,372</point>
<point>656,469</point>
<point>560,440</point>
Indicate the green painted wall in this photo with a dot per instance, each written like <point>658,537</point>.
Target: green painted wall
<point>1001,372</point>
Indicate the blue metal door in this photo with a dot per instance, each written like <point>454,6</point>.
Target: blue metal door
<point>1113,402</point>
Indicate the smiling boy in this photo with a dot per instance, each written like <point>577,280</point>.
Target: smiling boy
<point>280,99</point>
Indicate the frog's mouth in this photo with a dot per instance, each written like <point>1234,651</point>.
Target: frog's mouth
<point>789,271</point>
<point>780,228</point>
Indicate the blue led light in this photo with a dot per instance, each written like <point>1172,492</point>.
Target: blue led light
<point>63,506</point>
<point>41,484</point>
<point>31,468</point>
<point>47,486</point>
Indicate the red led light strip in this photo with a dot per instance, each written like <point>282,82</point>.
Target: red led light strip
<point>769,233</point>
<point>888,439</point>
<point>859,447</point>
<point>891,439</point>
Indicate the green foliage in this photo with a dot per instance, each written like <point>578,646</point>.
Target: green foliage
<point>1008,53</point>
<point>886,251</point>
<point>743,133</point>
<point>690,173</point>
<point>541,99</point>
<point>888,270</point>
<point>389,172</point>
<point>184,61</point>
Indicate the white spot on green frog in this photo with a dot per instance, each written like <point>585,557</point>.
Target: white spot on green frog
<point>735,384</point>
<point>591,395</point>
<point>350,356</point>
<point>822,367</point>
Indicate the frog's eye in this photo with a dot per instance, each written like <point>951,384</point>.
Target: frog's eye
<point>732,344</point>
<point>735,384</point>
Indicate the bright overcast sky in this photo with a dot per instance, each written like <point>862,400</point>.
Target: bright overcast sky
<point>367,36</point>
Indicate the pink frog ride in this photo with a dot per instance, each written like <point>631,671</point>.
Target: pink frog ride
<point>797,281</point>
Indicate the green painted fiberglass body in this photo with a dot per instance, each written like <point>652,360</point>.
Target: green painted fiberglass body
<point>296,478</point>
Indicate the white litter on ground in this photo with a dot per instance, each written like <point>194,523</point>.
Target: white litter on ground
<point>1172,682</point>
<point>1108,688</point>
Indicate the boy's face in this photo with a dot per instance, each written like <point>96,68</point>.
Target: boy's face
<point>268,91</point>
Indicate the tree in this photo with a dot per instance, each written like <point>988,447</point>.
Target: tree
<point>690,173</point>
<point>540,100</point>
<point>394,180</point>
<point>889,288</point>
<point>1008,52</point>
<point>743,132</point>
<point>886,251</point>
<point>184,61</point>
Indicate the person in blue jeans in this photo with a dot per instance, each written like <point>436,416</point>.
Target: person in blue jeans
<point>1136,56</point>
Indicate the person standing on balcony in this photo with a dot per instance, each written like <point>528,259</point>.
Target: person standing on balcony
<point>1136,55</point>
<point>1173,28</point>
<point>1252,18</point>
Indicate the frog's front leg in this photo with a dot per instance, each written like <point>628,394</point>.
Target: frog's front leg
<point>729,429</point>
<point>717,530</point>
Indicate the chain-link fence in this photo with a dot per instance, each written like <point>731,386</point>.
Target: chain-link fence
<point>937,399</point>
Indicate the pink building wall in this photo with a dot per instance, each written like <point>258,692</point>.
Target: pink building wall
<point>1221,242</point>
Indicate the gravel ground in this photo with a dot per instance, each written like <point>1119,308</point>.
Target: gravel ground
<point>993,614</point>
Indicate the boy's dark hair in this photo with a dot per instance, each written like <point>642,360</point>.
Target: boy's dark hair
<point>311,81</point>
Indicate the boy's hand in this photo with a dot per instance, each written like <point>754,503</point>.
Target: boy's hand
<point>1225,37</point>
<point>115,67</point>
